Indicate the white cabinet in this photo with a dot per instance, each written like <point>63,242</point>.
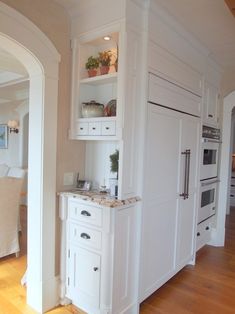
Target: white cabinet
<point>204,232</point>
<point>99,268</point>
<point>83,281</point>
<point>170,195</point>
<point>101,88</point>
<point>210,104</point>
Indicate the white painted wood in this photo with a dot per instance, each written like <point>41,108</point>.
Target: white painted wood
<point>168,134</point>
<point>223,201</point>
<point>211,103</point>
<point>83,285</point>
<point>204,233</point>
<point>131,92</point>
<point>94,128</point>
<point>108,128</point>
<point>165,64</point>
<point>85,213</point>
<point>169,95</point>
<point>167,32</point>
<point>79,234</point>
<point>186,221</point>
<point>33,49</point>
<point>125,279</point>
<point>100,274</point>
<point>102,88</point>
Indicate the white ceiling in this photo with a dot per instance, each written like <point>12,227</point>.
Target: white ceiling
<point>14,84</point>
<point>210,21</point>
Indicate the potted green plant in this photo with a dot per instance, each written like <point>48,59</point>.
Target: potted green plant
<point>114,160</point>
<point>92,65</point>
<point>105,61</point>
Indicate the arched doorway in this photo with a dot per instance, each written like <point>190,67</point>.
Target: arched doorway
<point>228,105</point>
<point>33,49</point>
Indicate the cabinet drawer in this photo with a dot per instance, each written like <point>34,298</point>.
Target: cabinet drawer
<point>108,128</point>
<point>86,236</point>
<point>85,213</point>
<point>82,128</point>
<point>94,128</point>
<point>203,233</point>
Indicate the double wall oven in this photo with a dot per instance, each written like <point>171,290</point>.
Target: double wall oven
<point>209,172</point>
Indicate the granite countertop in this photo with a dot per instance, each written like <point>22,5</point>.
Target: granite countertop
<point>100,198</point>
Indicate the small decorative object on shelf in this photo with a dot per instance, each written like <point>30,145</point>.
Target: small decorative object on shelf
<point>105,61</point>
<point>114,159</point>
<point>110,108</point>
<point>92,109</point>
<point>92,65</point>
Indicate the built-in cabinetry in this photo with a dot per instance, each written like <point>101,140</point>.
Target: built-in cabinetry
<point>99,256</point>
<point>170,186</point>
<point>165,88</point>
<point>101,88</point>
<point>211,104</point>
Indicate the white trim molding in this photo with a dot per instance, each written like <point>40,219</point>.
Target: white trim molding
<point>219,235</point>
<point>34,50</point>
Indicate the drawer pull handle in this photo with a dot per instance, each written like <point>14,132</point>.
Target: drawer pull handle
<point>107,128</point>
<point>210,115</point>
<point>85,213</point>
<point>93,128</point>
<point>85,236</point>
<point>81,128</point>
<point>198,234</point>
<point>207,228</point>
<point>232,184</point>
<point>95,268</point>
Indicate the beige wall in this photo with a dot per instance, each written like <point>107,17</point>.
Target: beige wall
<point>52,19</point>
<point>228,81</point>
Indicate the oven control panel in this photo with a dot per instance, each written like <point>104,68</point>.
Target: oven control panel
<point>209,132</point>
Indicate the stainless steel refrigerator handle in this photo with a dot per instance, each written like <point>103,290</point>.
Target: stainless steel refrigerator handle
<point>210,182</point>
<point>188,156</point>
<point>184,195</point>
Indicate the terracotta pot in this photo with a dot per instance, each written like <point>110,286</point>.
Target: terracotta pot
<point>104,69</point>
<point>92,72</point>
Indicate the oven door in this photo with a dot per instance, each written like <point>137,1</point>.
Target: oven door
<point>208,199</point>
<point>209,160</point>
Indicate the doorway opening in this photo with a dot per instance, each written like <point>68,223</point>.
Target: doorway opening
<point>40,58</point>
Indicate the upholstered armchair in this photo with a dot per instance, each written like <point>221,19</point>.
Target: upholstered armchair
<point>10,190</point>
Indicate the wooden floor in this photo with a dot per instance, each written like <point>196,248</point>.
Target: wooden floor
<point>207,288</point>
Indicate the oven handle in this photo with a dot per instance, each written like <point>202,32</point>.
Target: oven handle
<point>207,140</point>
<point>210,182</point>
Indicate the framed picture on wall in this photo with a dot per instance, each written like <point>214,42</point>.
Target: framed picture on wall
<point>3,136</point>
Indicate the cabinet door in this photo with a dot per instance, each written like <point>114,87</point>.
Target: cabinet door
<point>161,198</point>
<point>83,284</point>
<point>187,209</point>
<point>211,104</point>
<point>168,220</point>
